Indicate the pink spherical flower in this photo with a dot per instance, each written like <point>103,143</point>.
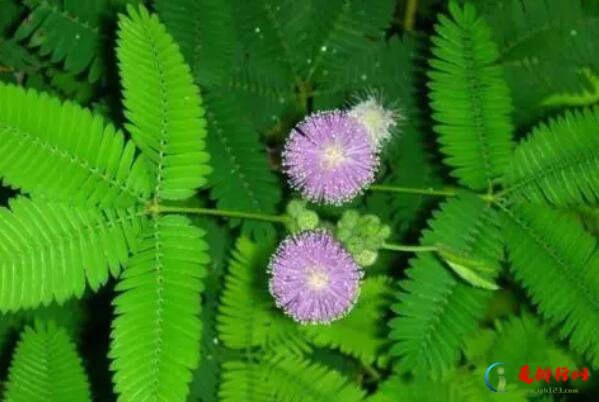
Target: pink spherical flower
<point>313,278</point>
<point>328,157</point>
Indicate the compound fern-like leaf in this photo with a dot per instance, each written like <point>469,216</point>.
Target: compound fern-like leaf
<point>559,162</point>
<point>204,31</point>
<point>46,368</point>
<point>156,334</point>
<point>470,99</point>
<point>16,57</point>
<point>342,29</point>
<point>50,251</point>
<point>162,105</point>
<point>64,152</point>
<point>297,379</point>
<point>285,378</point>
<point>558,264</point>
<point>421,389</point>
<point>244,381</point>
<point>545,47</point>
<point>67,31</point>
<point>436,310</point>
<point>310,38</point>
<point>242,179</point>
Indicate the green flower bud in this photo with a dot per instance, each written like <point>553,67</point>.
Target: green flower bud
<point>363,236</point>
<point>366,258</point>
<point>301,218</point>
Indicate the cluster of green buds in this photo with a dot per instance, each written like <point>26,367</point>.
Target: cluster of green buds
<point>362,235</point>
<point>300,217</point>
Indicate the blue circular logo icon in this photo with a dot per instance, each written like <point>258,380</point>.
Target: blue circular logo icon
<point>501,385</point>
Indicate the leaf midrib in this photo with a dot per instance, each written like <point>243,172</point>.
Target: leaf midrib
<point>572,277</point>
<point>30,139</point>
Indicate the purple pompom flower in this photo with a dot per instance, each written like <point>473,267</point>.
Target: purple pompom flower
<point>313,278</point>
<point>328,157</point>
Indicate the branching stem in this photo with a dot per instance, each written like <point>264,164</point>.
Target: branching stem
<point>372,372</point>
<point>256,216</point>
<point>385,188</point>
<point>410,15</point>
<point>447,192</point>
<point>282,219</point>
<point>408,249</point>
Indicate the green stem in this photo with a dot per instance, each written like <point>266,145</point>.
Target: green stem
<point>410,15</point>
<point>504,192</point>
<point>410,190</point>
<point>283,219</point>
<point>448,192</point>
<point>372,372</point>
<point>304,95</point>
<point>221,212</point>
<point>407,249</point>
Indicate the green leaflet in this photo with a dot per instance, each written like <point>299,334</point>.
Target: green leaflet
<point>16,57</point>
<point>396,388</point>
<point>296,379</point>
<point>162,105</point>
<point>46,368</point>
<point>204,31</point>
<point>44,154</point>
<point>67,31</point>
<point>467,269</point>
<point>157,330</point>
<point>557,263</point>
<point>206,377</point>
<point>244,381</point>
<point>10,12</point>
<point>467,234</point>
<point>285,378</point>
<point>559,162</point>
<point>242,179</point>
<point>51,251</point>
<point>470,99</point>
